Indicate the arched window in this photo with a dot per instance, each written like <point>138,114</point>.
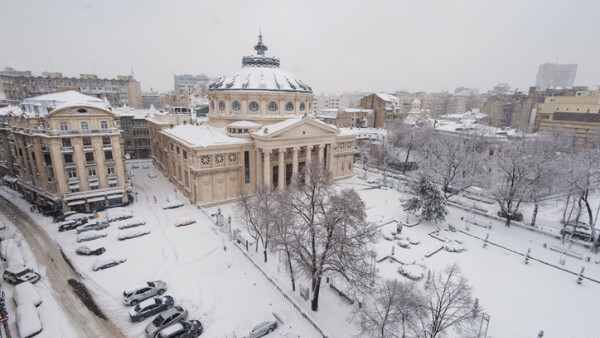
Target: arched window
<point>253,106</point>
<point>273,106</point>
<point>235,105</point>
<point>289,106</point>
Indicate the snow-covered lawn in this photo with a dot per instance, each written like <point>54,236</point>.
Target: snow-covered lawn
<point>219,287</point>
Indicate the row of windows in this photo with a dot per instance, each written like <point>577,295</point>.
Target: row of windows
<point>89,157</point>
<point>254,106</point>
<point>84,125</point>
<point>66,142</point>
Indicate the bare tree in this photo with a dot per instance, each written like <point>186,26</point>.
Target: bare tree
<point>453,161</point>
<point>283,235</point>
<point>449,306</point>
<point>389,310</point>
<point>330,233</point>
<point>409,139</point>
<point>258,213</point>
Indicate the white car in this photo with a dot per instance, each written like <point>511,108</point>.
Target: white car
<point>151,174</point>
<point>133,297</point>
<point>91,235</point>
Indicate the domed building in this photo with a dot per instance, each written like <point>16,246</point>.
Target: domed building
<point>260,130</point>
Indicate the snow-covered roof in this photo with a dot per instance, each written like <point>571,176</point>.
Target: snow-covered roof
<point>389,98</point>
<point>261,79</point>
<point>11,110</point>
<point>138,114</point>
<point>244,124</point>
<point>358,110</point>
<point>67,99</point>
<point>364,132</point>
<point>203,135</point>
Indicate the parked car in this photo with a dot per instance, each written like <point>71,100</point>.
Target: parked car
<point>183,221</point>
<point>129,223</point>
<point>263,329</point>
<point>183,329</point>
<point>151,174</point>
<point>517,216</point>
<point>578,230</point>
<point>172,203</point>
<point>26,293</point>
<point>28,320</point>
<point>19,274</point>
<point>118,214</point>
<point>62,217</point>
<point>105,263</point>
<point>150,307</point>
<point>93,226</point>
<point>78,216</point>
<point>137,295</point>
<point>133,234</point>
<point>72,224</point>
<point>165,319</point>
<point>90,236</point>
<point>85,251</point>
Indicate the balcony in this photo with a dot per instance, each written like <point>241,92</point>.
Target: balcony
<point>107,146</point>
<point>92,178</point>
<point>72,180</point>
<point>66,149</point>
<point>88,148</point>
<point>112,176</point>
<point>90,163</point>
<point>109,161</point>
<point>47,165</point>
<point>69,165</point>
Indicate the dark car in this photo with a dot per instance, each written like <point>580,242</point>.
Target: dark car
<point>85,251</point>
<point>72,224</point>
<point>19,274</point>
<point>183,329</point>
<point>62,217</point>
<point>150,307</point>
<point>517,216</point>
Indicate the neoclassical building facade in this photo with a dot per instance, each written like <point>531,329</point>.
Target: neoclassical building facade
<point>260,130</point>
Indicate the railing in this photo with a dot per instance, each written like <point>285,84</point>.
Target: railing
<point>107,146</point>
<point>72,180</point>
<point>112,176</point>
<point>92,178</point>
<point>88,148</point>
<point>70,165</point>
<point>109,161</point>
<point>90,163</point>
<point>53,132</point>
<point>66,149</point>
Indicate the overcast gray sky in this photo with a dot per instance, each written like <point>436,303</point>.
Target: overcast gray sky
<point>333,46</point>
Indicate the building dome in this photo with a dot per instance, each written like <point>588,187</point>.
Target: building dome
<point>260,73</point>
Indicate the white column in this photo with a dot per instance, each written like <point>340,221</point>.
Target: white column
<point>267,168</point>
<point>308,160</point>
<point>321,152</point>
<point>281,178</point>
<point>295,161</point>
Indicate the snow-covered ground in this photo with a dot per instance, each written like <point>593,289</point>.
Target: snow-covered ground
<point>520,298</point>
<point>229,295</point>
<point>219,287</point>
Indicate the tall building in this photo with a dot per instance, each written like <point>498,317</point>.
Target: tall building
<point>16,86</point>
<point>135,132</point>
<point>326,101</point>
<point>151,99</point>
<point>260,131</point>
<point>63,152</point>
<point>192,83</point>
<point>553,75</point>
<point>386,108</point>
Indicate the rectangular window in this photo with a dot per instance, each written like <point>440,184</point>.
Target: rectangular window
<point>247,167</point>
<point>89,157</point>
<point>87,141</point>
<point>68,158</point>
<point>84,126</point>
<point>108,155</point>
<point>71,173</point>
<point>177,150</point>
<point>91,171</point>
<point>105,140</point>
<point>63,126</point>
<point>185,155</point>
<point>110,169</point>
<point>103,125</point>
<point>66,142</point>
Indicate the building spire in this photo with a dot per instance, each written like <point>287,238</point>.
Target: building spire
<point>260,48</point>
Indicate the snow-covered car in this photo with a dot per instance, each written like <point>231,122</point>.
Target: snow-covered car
<point>129,223</point>
<point>71,224</point>
<point>105,263</point>
<point>28,320</point>
<point>137,295</point>
<point>90,236</point>
<point>165,319</point>
<point>172,203</point>
<point>133,234</point>
<point>151,174</point>
<point>150,307</point>
<point>135,166</point>
<point>7,247</point>
<point>26,293</point>
<point>517,216</point>
<point>263,329</point>
<point>93,227</point>
<point>78,216</point>
<point>19,274</point>
<point>582,230</point>
<point>183,329</point>
<point>85,251</point>
<point>145,166</point>
<point>62,217</point>
<point>183,221</point>
<point>118,214</point>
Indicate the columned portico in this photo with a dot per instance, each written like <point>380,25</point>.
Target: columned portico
<point>267,168</point>
<point>295,161</point>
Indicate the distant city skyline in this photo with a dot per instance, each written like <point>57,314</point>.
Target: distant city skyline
<point>332,46</point>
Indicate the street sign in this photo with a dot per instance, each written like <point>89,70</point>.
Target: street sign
<point>136,193</point>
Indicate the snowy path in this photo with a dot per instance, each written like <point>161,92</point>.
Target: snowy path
<point>57,272</point>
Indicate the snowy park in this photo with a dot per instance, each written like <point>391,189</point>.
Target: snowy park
<point>522,279</point>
